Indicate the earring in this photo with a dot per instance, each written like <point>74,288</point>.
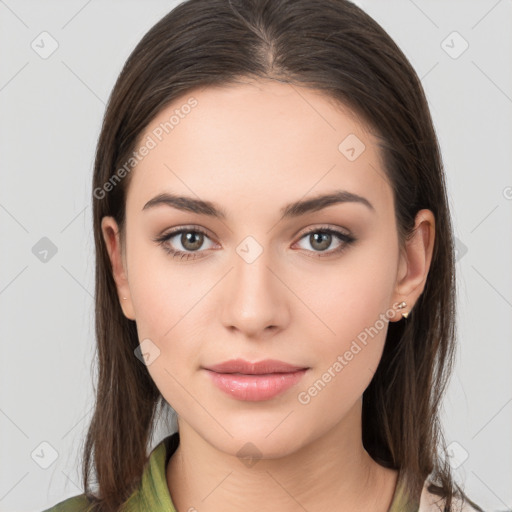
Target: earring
<point>401,306</point>
<point>124,298</point>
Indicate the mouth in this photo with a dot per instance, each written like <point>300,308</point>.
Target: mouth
<point>255,381</point>
<point>265,367</point>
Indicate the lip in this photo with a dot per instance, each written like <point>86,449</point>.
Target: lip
<point>258,368</point>
<point>254,382</point>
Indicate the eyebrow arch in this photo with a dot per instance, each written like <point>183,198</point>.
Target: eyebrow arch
<point>291,210</point>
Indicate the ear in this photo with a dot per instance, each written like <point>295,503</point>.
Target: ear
<point>110,233</point>
<point>414,264</point>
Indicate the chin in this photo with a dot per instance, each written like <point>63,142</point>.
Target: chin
<point>257,442</point>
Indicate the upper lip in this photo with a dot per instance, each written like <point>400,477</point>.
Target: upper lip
<point>257,368</point>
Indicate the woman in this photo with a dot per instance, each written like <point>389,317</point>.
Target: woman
<point>274,260</point>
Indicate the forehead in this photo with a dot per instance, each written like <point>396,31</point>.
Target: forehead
<point>262,139</point>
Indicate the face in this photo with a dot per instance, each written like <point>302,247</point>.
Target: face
<point>309,286</point>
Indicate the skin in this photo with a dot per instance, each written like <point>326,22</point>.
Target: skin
<point>252,148</point>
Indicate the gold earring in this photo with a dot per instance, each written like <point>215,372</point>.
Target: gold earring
<point>401,306</point>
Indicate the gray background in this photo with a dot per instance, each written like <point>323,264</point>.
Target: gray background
<point>51,110</point>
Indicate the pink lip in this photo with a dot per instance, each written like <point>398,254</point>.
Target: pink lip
<point>258,368</point>
<point>255,381</point>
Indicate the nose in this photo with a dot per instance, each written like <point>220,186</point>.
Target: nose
<point>255,297</point>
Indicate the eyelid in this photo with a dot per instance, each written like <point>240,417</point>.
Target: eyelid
<point>324,227</point>
<point>186,227</point>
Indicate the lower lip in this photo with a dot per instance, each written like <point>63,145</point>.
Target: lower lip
<point>255,387</point>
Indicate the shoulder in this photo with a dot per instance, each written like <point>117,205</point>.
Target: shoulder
<point>75,504</point>
<point>430,502</point>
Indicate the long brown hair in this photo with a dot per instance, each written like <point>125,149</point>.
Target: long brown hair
<point>327,45</point>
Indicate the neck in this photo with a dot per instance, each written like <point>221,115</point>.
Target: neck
<point>332,472</point>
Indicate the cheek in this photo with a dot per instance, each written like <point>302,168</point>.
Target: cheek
<point>349,299</point>
<point>354,308</point>
<point>345,363</point>
<point>166,305</point>
<point>162,294</point>
<point>165,316</point>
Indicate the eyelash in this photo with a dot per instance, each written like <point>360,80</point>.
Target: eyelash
<point>347,239</point>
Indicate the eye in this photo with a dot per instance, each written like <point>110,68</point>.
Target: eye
<point>190,239</point>
<point>322,238</point>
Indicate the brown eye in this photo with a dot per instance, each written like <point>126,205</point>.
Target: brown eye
<point>188,242</point>
<point>320,239</point>
<point>191,240</point>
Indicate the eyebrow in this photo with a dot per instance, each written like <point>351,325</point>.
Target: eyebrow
<point>295,209</point>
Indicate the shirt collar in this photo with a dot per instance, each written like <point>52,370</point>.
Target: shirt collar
<point>401,501</point>
<point>153,493</point>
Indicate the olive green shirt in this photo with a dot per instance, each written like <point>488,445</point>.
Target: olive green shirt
<point>153,493</point>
